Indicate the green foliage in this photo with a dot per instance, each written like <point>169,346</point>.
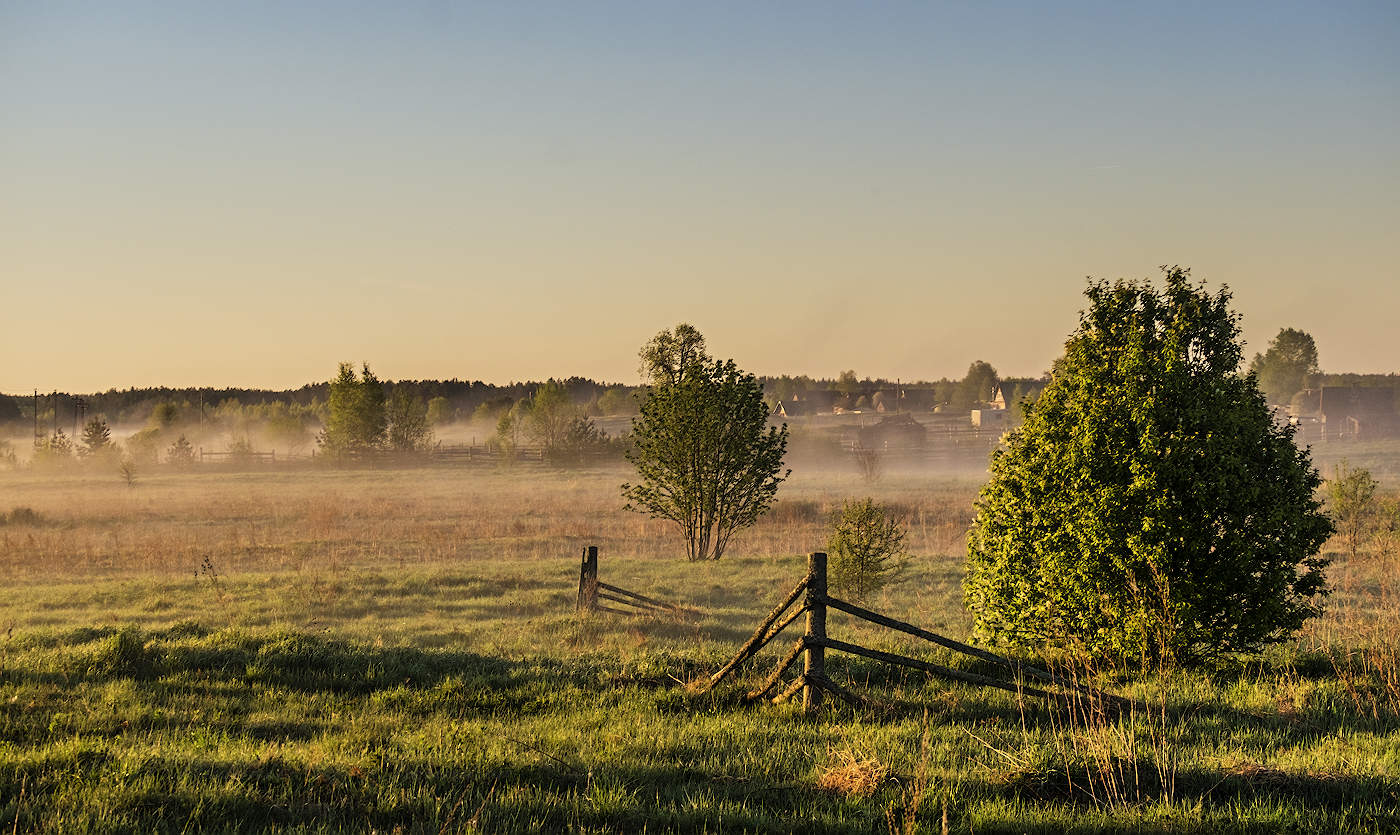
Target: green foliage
<point>144,445</point>
<point>1351,498</point>
<point>1285,367</point>
<point>865,548</point>
<point>978,387</point>
<point>583,441</point>
<point>617,401</point>
<point>409,426</point>
<point>164,415</point>
<point>356,420</point>
<point>490,411</point>
<point>507,437</point>
<point>96,439</point>
<point>1148,506</point>
<point>671,353</point>
<point>706,458</point>
<point>440,411</point>
<point>546,416</point>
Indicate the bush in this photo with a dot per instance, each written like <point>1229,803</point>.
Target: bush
<point>865,549</point>
<point>1149,506</point>
<point>1351,496</point>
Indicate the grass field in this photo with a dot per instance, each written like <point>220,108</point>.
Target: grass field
<point>397,650</point>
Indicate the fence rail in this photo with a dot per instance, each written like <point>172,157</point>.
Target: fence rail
<point>591,589</point>
<point>813,682</point>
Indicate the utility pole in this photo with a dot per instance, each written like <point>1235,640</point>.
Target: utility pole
<point>36,417</point>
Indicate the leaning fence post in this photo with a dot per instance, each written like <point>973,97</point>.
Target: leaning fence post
<point>814,664</point>
<point>588,580</point>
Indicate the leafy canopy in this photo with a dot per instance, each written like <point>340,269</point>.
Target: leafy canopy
<point>1284,368</point>
<point>356,420</point>
<point>1148,506</point>
<point>705,455</point>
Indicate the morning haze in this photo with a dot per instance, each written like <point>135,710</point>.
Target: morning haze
<point>829,417</point>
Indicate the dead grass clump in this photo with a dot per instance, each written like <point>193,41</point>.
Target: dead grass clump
<point>851,775</point>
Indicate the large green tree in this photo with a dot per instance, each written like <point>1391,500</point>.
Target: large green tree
<point>705,455</point>
<point>1284,368</point>
<point>1148,507</point>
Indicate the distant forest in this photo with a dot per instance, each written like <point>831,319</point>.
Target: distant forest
<point>467,400</point>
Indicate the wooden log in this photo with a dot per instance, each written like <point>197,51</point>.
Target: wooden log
<point>791,690</point>
<point>949,643</point>
<point>758,638</point>
<point>588,580</point>
<point>610,610</point>
<point>777,630</point>
<point>925,666</point>
<point>629,602</point>
<point>614,589</point>
<point>814,664</point>
<point>777,675</point>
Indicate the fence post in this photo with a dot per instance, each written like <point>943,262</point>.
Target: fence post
<point>588,580</point>
<point>814,663</point>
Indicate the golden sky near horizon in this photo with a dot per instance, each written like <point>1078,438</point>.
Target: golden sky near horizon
<point>192,195</point>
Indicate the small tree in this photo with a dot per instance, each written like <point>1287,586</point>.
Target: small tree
<point>706,458</point>
<point>865,548</point>
<point>181,454</point>
<point>870,462</point>
<point>409,429</point>
<point>548,414</point>
<point>1149,506</point>
<point>97,438</point>
<point>127,469</point>
<point>55,451</point>
<point>1351,494</point>
<point>582,440</point>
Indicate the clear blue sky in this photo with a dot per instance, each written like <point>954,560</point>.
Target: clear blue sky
<point>247,193</point>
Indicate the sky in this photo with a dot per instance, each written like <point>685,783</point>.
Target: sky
<point>245,194</point>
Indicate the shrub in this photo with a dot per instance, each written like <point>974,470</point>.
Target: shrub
<point>1149,506</point>
<point>1351,496</point>
<point>865,548</point>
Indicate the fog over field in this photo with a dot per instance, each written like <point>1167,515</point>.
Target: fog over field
<point>777,417</point>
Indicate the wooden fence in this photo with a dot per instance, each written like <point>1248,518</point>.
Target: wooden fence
<point>243,456</point>
<point>812,647</point>
<point>590,589</point>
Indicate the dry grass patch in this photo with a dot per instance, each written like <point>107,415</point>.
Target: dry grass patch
<point>851,775</point>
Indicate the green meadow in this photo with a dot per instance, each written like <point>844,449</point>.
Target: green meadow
<point>398,651</point>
